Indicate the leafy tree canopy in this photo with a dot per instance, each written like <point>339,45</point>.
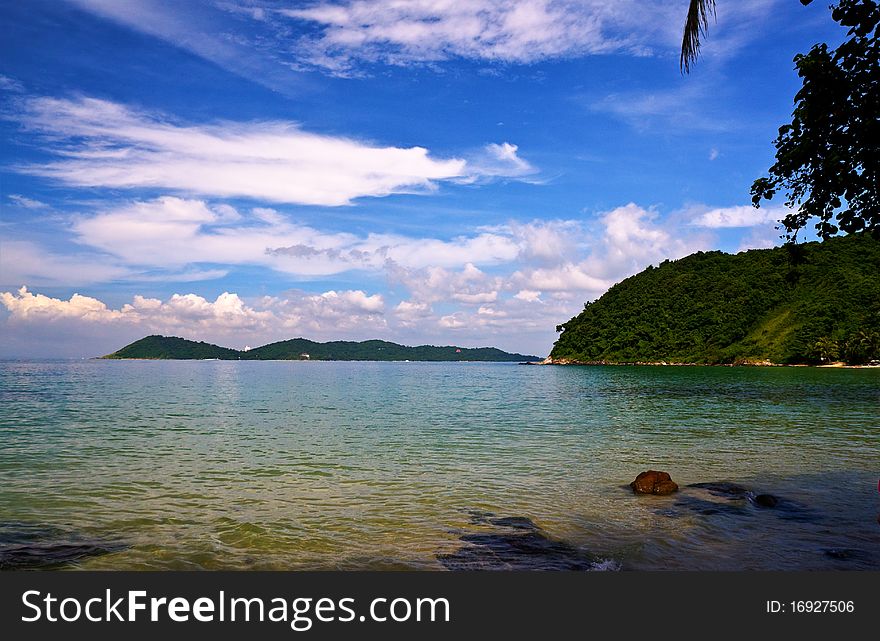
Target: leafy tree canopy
<point>828,158</point>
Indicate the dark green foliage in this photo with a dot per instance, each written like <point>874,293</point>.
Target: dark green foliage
<point>163,347</point>
<point>828,158</point>
<point>808,303</point>
<point>375,350</point>
<point>173,347</point>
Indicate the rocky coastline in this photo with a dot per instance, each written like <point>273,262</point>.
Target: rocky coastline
<point>743,363</point>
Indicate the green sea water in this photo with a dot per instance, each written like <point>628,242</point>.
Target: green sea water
<point>344,465</point>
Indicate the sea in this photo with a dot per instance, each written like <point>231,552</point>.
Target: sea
<point>295,465</point>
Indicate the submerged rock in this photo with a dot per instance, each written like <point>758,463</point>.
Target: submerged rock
<point>706,507</point>
<point>654,482</point>
<point>516,522</point>
<point>738,499</point>
<point>765,500</point>
<point>722,488</point>
<point>846,554</point>
<point>733,491</point>
<point>516,543</point>
<point>31,546</point>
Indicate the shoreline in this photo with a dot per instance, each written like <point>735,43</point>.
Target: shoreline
<point>569,361</point>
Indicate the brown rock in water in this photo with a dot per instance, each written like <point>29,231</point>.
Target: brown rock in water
<point>654,482</point>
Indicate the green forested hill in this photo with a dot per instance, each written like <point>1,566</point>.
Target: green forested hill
<point>376,350</point>
<point>165,347</point>
<point>172,347</point>
<point>809,303</point>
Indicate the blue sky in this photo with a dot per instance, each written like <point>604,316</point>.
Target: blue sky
<point>242,171</point>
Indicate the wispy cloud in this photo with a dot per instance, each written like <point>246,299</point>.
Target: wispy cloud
<point>684,106</point>
<point>171,233</point>
<point>27,262</point>
<point>27,203</point>
<point>204,30</point>
<point>105,144</point>
<point>341,36</point>
<point>353,32</point>
<point>10,85</point>
<point>740,216</point>
<point>513,31</point>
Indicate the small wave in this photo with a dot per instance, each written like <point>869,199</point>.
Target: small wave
<point>605,565</point>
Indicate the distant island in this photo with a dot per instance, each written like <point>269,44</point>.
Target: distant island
<point>811,303</point>
<point>301,349</point>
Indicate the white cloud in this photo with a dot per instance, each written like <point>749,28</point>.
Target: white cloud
<point>565,277</point>
<point>684,106</point>
<point>171,232</point>
<point>623,241</point>
<point>469,286</point>
<point>412,313</point>
<point>507,285</point>
<point>740,216</point>
<point>105,144</point>
<point>189,311</point>
<point>528,295</point>
<point>202,30</point>
<point>510,31</point>
<point>498,161</point>
<point>27,203</point>
<point>10,85</point>
<point>340,36</point>
<point>634,238</point>
<point>27,262</point>
<point>760,237</point>
<point>227,316</point>
<point>25,306</point>
<point>329,315</point>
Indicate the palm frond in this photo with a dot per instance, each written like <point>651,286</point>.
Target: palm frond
<point>694,28</point>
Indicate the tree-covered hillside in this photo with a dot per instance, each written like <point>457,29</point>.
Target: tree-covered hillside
<point>173,347</point>
<point>165,347</point>
<point>375,350</point>
<point>809,303</point>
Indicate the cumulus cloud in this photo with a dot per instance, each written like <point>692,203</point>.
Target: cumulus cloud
<point>412,314</point>
<point>468,286</point>
<point>500,285</point>
<point>330,314</point>
<point>528,295</point>
<point>564,277</point>
<point>635,237</point>
<point>193,315</point>
<point>106,144</point>
<point>589,260</point>
<point>25,306</point>
<point>188,311</point>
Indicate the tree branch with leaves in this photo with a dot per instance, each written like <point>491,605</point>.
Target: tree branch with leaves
<point>828,157</point>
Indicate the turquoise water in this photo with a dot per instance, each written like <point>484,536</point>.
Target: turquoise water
<point>310,465</point>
